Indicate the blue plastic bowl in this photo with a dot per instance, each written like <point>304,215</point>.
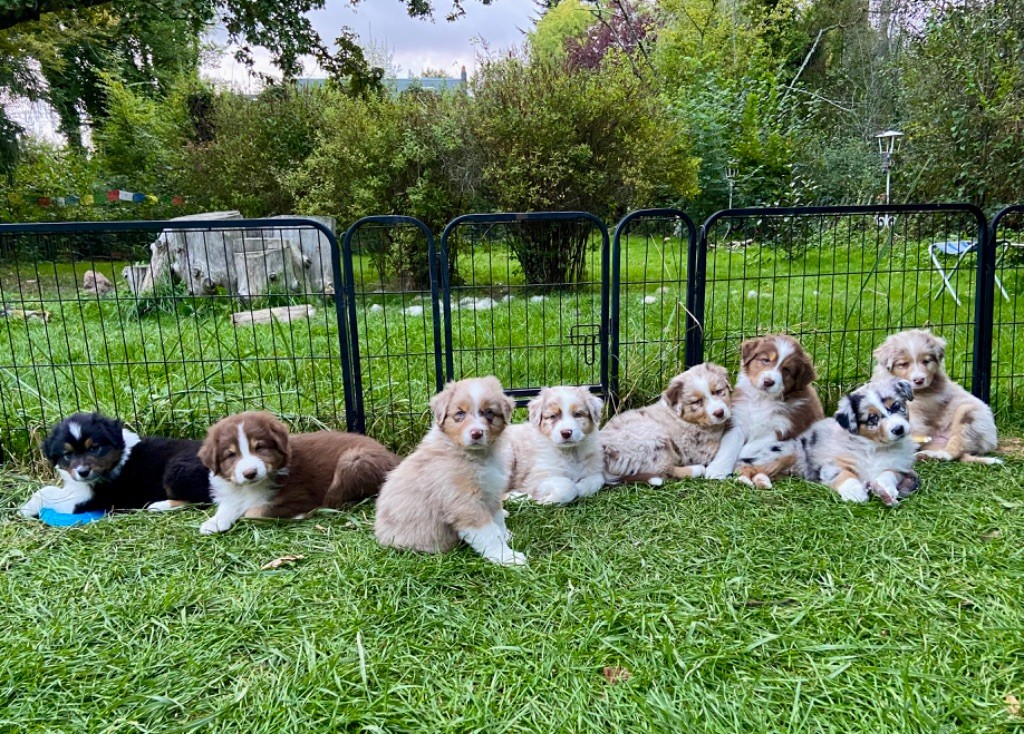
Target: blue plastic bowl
<point>69,519</point>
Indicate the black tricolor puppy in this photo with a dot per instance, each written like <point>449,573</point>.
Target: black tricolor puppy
<point>107,467</point>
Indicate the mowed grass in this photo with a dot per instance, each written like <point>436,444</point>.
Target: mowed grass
<point>695,606</point>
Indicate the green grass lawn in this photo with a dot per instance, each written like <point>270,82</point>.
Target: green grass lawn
<point>732,609</point>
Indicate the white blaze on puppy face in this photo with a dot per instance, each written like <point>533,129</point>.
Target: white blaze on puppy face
<point>566,415</point>
<point>473,412</point>
<point>915,356</point>
<point>700,395</point>
<point>249,467</point>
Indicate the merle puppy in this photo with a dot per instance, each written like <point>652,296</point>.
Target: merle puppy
<point>107,467</point>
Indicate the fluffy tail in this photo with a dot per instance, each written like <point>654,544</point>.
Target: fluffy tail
<point>358,475</point>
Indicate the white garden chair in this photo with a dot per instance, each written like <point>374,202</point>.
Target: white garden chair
<point>960,249</point>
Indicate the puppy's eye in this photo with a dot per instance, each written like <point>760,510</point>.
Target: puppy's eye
<point>723,391</point>
<point>229,454</point>
<point>579,414</point>
<point>786,370</point>
<point>698,401</point>
<point>258,445</point>
<point>898,407</point>
<point>765,360</point>
<point>489,414</point>
<point>459,415</point>
<point>902,365</point>
<point>872,420</point>
<point>928,360</point>
<point>95,450</point>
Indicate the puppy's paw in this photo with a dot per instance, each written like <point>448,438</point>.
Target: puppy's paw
<point>508,557</point>
<point>934,456</point>
<point>989,460</point>
<point>558,491</point>
<point>716,472</point>
<point>697,471</point>
<point>215,525</point>
<point>656,481</point>
<point>888,496</point>
<point>908,485</point>
<point>34,504</point>
<point>762,481</point>
<point>744,479</point>
<point>164,506</point>
<point>852,491</point>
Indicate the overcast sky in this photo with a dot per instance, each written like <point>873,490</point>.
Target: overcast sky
<point>413,44</point>
<point>382,24</point>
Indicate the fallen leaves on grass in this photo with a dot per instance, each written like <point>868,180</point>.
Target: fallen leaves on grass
<point>1012,705</point>
<point>615,675</point>
<point>278,562</point>
<point>992,534</point>
<point>1011,445</point>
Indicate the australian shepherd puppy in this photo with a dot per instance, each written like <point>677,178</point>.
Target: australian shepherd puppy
<point>950,423</point>
<point>258,470</point>
<point>864,450</point>
<point>449,490</point>
<point>556,457</point>
<point>774,401</point>
<point>674,437</point>
<point>107,467</point>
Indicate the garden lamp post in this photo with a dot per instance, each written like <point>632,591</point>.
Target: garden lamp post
<point>887,144</point>
<point>730,176</point>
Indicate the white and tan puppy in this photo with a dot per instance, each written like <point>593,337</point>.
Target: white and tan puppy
<point>449,490</point>
<point>774,400</point>
<point>674,437</point>
<point>952,424</point>
<point>556,457</point>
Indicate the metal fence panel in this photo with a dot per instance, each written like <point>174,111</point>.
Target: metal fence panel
<point>394,326</point>
<point>841,279</point>
<point>1008,313</point>
<point>650,323</point>
<point>84,329</point>
<point>526,298</point>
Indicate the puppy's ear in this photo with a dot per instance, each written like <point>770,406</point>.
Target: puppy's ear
<point>439,403</point>
<point>936,344</point>
<point>846,415</point>
<point>748,349</point>
<point>595,405</point>
<point>803,370</point>
<point>674,392</point>
<point>886,354</point>
<point>279,435</point>
<point>507,406</point>
<point>535,409</point>
<point>209,456</point>
<point>904,389</point>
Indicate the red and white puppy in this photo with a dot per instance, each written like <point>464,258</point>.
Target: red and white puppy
<point>774,401</point>
<point>258,471</point>
<point>556,457</point>
<point>449,490</point>
<point>952,424</point>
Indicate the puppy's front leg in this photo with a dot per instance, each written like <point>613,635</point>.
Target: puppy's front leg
<point>686,472</point>
<point>490,541</point>
<point>886,487</point>
<point>589,486</point>
<point>222,520</point>
<point>728,453</point>
<point>60,499</point>
<point>555,491</point>
<point>849,487</point>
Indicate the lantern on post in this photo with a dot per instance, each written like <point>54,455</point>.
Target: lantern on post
<point>888,142</point>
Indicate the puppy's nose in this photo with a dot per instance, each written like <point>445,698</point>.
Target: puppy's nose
<point>919,381</point>
<point>84,472</point>
<point>250,473</point>
<point>720,413</point>
<point>768,382</point>
<point>898,430</point>
<point>566,433</point>
<point>476,434</point>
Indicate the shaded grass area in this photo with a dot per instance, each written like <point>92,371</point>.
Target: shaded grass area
<point>732,610</point>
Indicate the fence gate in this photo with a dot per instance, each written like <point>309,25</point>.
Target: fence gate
<point>525,298</point>
<point>841,279</point>
<point>1007,236</point>
<point>168,325</point>
<point>394,326</point>
<point>651,328</point>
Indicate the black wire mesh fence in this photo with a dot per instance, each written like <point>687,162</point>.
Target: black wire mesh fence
<point>394,326</point>
<point>652,326</point>
<point>172,325</point>
<point>1008,315</point>
<point>167,325</point>
<point>526,298</point>
<point>841,279</point>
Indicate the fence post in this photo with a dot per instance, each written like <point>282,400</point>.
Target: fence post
<point>696,282</point>
<point>984,311</point>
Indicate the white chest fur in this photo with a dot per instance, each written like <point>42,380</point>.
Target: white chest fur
<point>239,498</point>
<point>759,416</point>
